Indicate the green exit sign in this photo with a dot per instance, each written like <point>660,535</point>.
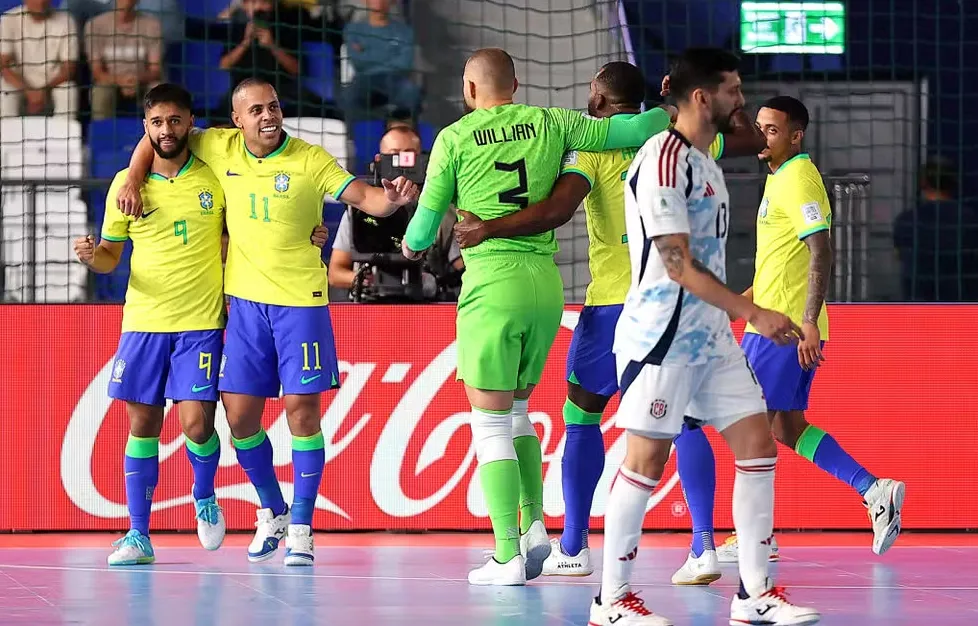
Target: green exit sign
<point>792,27</point>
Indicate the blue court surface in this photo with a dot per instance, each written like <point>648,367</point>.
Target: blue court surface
<point>420,580</point>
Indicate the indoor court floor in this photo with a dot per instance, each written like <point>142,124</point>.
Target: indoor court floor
<point>420,580</point>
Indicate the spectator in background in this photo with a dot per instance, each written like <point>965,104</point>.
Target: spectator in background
<point>125,52</point>
<point>169,13</point>
<point>38,54</point>
<point>381,51</point>
<point>442,257</point>
<point>268,39</point>
<point>937,241</point>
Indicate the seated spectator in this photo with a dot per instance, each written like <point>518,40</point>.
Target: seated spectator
<point>443,256</point>
<point>267,47</point>
<point>937,242</point>
<point>125,52</point>
<point>169,13</point>
<point>38,54</point>
<point>381,51</point>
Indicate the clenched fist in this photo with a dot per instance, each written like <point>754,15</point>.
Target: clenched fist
<point>85,249</point>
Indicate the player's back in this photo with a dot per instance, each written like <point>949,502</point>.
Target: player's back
<point>795,206</point>
<point>506,158</point>
<point>673,188</point>
<point>176,275</point>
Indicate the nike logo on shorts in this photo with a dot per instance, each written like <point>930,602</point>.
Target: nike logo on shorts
<point>306,381</point>
<point>198,389</point>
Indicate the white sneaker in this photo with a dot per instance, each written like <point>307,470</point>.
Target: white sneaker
<point>884,500</point>
<point>210,523</point>
<point>494,573</point>
<point>299,546</point>
<point>727,552</point>
<point>770,609</point>
<point>627,609</point>
<point>535,548</point>
<point>561,564</point>
<point>271,530</point>
<point>701,570</point>
<point>133,549</point>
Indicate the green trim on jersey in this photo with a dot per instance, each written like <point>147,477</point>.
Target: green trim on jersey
<point>274,153</point>
<point>115,239</point>
<point>812,231</point>
<point>800,155</point>
<point>574,170</point>
<point>183,170</point>
<point>342,188</point>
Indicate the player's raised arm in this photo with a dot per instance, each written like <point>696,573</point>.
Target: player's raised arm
<point>439,189</point>
<point>589,134</point>
<point>566,196</point>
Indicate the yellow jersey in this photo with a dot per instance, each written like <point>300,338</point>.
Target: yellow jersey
<point>274,203</point>
<point>794,206</point>
<point>176,277</point>
<point>604,211</point>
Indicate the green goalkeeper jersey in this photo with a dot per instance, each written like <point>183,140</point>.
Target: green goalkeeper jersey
<point>495,161</point>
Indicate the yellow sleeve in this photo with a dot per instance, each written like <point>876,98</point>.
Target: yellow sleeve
<point>807,206</point>
<point>582,163</point>
<point>330,177</point>
<point>716,148</point>
<point>115,226</point>
<point>211,145</point>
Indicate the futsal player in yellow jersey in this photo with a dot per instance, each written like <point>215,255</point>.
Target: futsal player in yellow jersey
<point>791,276</point>
<point>279,334</point>
<point>173,320</point>
<point>596,179</point>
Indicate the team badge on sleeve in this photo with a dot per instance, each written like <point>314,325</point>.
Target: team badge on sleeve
<point>281,182</point>
<point>570,158</point>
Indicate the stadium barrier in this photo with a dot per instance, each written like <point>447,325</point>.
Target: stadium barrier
<point>398,453</point>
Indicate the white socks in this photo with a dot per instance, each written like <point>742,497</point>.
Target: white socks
<point>623,529</point>
<point>753,517</point>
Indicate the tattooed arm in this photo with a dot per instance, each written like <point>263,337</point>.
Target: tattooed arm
<point>819,272</point>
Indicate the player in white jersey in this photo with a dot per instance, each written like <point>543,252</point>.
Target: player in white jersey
<point>675,352</point>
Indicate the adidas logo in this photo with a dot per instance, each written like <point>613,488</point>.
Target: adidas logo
<point>709,191</point>
<point>630,556</point>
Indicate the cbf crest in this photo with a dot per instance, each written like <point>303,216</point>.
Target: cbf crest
<point>206,201</point>
<point>282,182</point>
<point>118,370</point>
<point>762,211</point>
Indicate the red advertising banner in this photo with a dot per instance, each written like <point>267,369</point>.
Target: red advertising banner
<point>899,390</point>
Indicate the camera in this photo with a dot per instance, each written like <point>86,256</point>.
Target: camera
<point>384,275</point>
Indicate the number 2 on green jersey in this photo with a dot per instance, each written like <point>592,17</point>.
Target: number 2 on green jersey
<point>516,195</point>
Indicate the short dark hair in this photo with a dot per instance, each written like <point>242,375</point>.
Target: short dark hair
<point>700,68</point>
<point>168,93</point>
<point>624,82</point>
<point>796,111</point>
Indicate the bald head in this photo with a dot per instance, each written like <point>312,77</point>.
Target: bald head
<point>400,139</point>
<point>490,75</point>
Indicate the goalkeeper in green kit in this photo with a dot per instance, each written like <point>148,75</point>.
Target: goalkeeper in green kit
<point>500,158</point>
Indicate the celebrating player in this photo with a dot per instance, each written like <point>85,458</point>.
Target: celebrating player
<point>279,333</point>
<point>595,178</point>
<point>498,159</point>
<point>676,355</point>
<point>173,318</point>
<point>793,267</point>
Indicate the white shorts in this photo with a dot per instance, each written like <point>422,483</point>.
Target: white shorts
<point>657,398</point>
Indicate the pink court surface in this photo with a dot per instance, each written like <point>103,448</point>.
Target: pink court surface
<point>378,579</point>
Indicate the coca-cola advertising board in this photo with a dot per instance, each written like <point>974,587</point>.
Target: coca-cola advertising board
<point>899,390</point>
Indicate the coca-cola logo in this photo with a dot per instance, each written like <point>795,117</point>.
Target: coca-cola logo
<point>389,455</point>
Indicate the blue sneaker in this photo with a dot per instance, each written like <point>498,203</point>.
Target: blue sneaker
<point>211,526</point>
<point>300,548</point>
<point>133,549</point>
<point>271,529</point>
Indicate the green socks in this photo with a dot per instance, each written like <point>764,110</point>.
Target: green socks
<point>530,458</point>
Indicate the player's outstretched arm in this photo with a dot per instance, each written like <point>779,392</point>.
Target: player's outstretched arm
<point>698,280</point>
<point>101,258</point>
<point>546,215</point>
<point>380,201</point>
<point>590,134</point>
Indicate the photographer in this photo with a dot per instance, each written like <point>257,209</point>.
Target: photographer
<point>359,234</point>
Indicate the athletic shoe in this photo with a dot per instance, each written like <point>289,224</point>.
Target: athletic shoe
<point>727,553</point>
<point>884,501</point>
<point>701,570</point>
<point>299,546</point>
<point>770,609</point>
<point>626,609</point>
<point>559,563</point>
<point>535,548</point>
<point>133,549</point>
<point>271,530</point>
<point>210,523</point>
<point>494,573</point>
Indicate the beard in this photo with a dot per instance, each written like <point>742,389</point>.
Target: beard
<point>177,149</point>
<point>724,123</point>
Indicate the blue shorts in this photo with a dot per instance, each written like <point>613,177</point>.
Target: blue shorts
<point>151,367</point>
<point>590,361</point>
<point>785,384</point>
<point>270,348</point>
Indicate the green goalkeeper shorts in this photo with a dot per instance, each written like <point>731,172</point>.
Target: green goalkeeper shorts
<point>508,316</point>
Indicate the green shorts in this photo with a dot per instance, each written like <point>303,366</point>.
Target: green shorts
<point>508,316</point>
